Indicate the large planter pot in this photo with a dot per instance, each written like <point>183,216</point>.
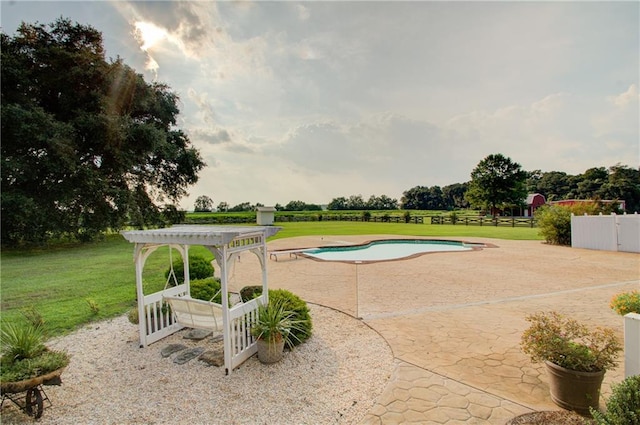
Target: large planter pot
<point>573,390</point>
<point>270,352</point>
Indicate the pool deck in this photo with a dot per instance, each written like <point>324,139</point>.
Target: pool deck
<point>453,320</point>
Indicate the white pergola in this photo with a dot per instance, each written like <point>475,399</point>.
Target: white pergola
<point>226,243</point>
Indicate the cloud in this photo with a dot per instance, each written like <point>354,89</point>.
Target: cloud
<point>627,98</point>
<point>303,12</point>
<point>211,137</point>
<point>314,100</point>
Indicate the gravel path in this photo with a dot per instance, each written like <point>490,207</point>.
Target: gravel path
<point>333,378</point>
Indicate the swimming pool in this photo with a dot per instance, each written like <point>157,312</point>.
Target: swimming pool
<point>385,250</point>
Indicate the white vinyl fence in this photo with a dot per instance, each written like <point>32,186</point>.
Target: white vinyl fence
<point>606,232</point>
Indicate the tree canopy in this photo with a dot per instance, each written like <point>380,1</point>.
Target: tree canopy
<point>87,144</point>
<point>203,204</point>
<point>497,182</point>
<point>618,182</point>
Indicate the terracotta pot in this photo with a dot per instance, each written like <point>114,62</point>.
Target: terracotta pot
<point>270,352</point>
<point>573,390</point>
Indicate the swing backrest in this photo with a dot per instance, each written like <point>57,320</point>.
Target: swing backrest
<point>194,313</point>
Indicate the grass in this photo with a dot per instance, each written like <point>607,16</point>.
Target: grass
<point>72,285</point>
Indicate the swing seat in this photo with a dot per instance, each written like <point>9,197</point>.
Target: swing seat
<point>194,313</point>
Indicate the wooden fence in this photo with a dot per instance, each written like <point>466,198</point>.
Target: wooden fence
<point>484,221</point>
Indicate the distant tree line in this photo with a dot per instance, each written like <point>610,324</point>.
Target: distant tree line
<point>618,182</point>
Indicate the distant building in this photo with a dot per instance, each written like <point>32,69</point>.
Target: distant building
<point>534,201</point>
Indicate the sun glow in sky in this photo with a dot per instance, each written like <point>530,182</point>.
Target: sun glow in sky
<point>315,100</point>
<point>149,34</point>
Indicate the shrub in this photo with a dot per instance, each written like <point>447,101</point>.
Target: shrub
<point>199,268</point>
<point>407,216</point>
<point>205,289</point>
<point>454,217</point>
<point>298,307</point>
<point>623,407</point>
<point>567,343</point>
<point>133,316</point>
<point>555,224</point>
<point>626,302</point>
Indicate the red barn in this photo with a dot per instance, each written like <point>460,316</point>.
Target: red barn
<point>534,201</point>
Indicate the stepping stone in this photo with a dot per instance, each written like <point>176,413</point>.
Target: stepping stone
<point>216,338</point>
<point>172,348</point>
<point>187,355</point>
<point>197,334</point>
<point>213,357</point>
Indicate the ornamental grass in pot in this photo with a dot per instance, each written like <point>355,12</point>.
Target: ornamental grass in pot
<point>576,357</point>
<point>273,329</point>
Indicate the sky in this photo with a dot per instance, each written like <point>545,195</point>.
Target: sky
<point>315,100</point>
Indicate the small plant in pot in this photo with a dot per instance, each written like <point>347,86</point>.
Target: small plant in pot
<point>273,329</point>
<point>576,357</point>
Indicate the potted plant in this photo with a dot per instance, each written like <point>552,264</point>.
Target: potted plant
<point>576,357</point>
<point>26,363</point>
<point>273,329</point>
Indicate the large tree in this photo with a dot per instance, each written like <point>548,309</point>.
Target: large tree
<point>497,182</point>
<point>203,204</point>
<point>454,196</point>
<point>87,144</point>
<point>423,198</point>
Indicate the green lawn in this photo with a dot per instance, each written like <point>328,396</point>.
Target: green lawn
<point>64,282</point>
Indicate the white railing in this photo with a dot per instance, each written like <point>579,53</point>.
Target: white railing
<point>157,321</point>
<point>242,343</point>
<point>606,232</point>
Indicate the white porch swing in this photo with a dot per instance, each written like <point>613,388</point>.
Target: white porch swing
<point>225,242</point>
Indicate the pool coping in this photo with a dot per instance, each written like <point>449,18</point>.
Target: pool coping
<point>474,246</point>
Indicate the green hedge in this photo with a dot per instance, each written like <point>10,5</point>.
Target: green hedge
<point>199,268</point>
<point>206,289</point>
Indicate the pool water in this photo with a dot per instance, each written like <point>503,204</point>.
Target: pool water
<point>385,250</point>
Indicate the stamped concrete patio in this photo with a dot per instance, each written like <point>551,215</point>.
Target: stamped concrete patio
<point>453,320</point>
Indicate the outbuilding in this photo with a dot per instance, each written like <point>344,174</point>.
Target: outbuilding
<point>534,201</point>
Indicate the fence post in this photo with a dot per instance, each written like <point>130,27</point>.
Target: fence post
<point>631,344</point>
